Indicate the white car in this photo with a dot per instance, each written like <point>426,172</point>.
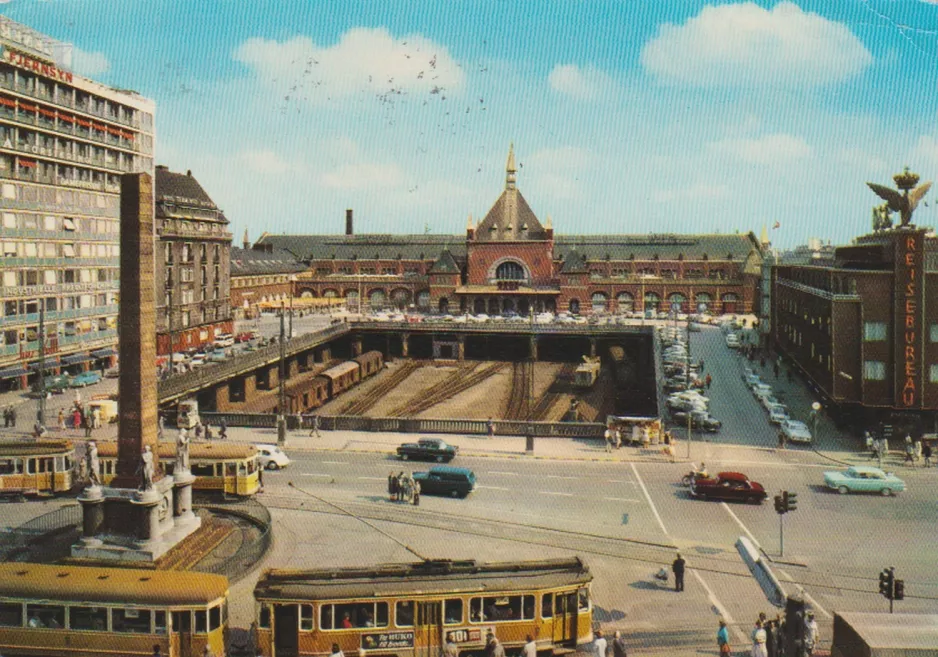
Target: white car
<point>778,414</point>
<point>732,341</point>
<point>271,457</point>
<point>760,389</point>
<point>796,431</point>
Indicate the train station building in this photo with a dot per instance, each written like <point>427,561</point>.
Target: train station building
<point>510,261</point>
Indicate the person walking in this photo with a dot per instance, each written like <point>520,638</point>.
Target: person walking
<point>811,634</point>
<point>918,450</point>
<point>618,645</point>
<point>678,567</point>
<point>96,418</point>
<point>709,380</point>
<point>416,493</point>
<point>618,437</point>
<point>870,444</point>
<point>759,639</point>
<point>909,451</point>
<point>529,649</point>
<point>6,417</point>
<point>776,368</point>
<point>609,438</point>
<point>490,427</point>
<point>498,650</point>
<point>61,419</point>
<point>314,429</point>
<point>600,646</point>
<point>86,422</point>
<point>392,486</point>
<point>13,417</point>
<point>926,454</point>
<point>723,639</point>
<point>223,429</point>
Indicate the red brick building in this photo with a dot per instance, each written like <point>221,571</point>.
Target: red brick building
<point>512,262</point>
<point>261,275</point>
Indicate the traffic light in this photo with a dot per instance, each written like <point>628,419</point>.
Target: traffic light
<point>791,501</point>
<point>885,583</point>
<point>779,505</point>
<point>898,589</point>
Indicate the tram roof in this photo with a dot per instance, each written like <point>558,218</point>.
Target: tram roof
<point>128,586</point>
<point>208,450</point>
<point>33,448</point>
<point>430,577</point>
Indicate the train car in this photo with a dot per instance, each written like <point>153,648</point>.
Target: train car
<point>410,610</point>
<point>76,611</point>
<point>34,468</point>
<point>306,394</point>
<point>223,467</point>
<point>587,372</point>
<point>370,362</point>
<point>342,377</point>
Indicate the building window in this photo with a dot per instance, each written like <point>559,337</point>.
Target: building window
<point>874,370</point>
<point>876,331</point>
<point>933,333</point>
<point>933,374</point>
<point>510,271</point>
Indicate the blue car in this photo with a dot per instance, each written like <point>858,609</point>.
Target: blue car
<point>85,379</point>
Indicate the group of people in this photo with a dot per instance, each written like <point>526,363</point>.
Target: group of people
<point>768,637</point>
<point>638,434</point>
<point>914,450</point>
<point>603,648</point>
<point>403,488</point>
<point>9,417</point>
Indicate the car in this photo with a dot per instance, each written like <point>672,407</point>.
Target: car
<point>732,341</point>
<point>778,414</point>
<point>84,379</point>
<point>271,457</point>
<point>197,360</point>
<point>700,420</point>
<point>863,479</point>
<point>112,373</point>
<point>223,340</point>
<point>752,380</point>
<point>217,356</point>
<point>428,449</point>
<point>795,431</point>
<point>246,336</point>
<point>760,389</point>
<point>446,480</point>
<point>55,385</point>
<point>729,486</point>
<point>768,401</point>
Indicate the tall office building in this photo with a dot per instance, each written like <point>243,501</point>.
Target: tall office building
<point>65,140</point>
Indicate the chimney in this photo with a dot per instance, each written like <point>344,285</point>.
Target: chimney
<point>348,222</point>
<point>246,243</point>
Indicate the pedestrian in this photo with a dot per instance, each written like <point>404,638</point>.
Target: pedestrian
<point>600,645</point>
<point>701,365</point>
<point>771,637</point>
<point>61,419</point>
<point>86,423</point>
<point>618,436</point>
<point>6,417</point>
<point>918,450</point>
<point>529,649</point>
<point>260,478</point>
<point>909,452</point>
<point>315,427</point>
<point>723,639</point>
<point>811,635</point>
<point>96,418</point>
<point>452,650</point>
<point>490,427</point>
<point>759,639</point>
<point>12,417</point>
<point>157,651</point>
<point>926,453</point>
<point>416,493</point>
<point>781,440</point>
<point>709,380</point>
<point>336,651</point>
<point>497,649</point>
<point>868,438</point>
<point>678,567</point>
<point>223,429</point>
<point>76,419</point>
<point>608,438</point>
<point>392,486</point>
<point>401,483</point>
<point>618,645</point>
<point>160,424</point>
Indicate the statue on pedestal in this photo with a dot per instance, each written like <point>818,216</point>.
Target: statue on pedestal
<point>146,469</point>
<point>182,452</point>
<point>906,198</point>
<point>91,462</point>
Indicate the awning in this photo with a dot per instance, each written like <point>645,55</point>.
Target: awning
<point>12,372</point>
<point>50,364</point>
<point>104,353</point>
<point>75,358</point>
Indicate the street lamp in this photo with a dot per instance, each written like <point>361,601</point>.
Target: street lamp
<point>292,293</point>
<point>644,278</point>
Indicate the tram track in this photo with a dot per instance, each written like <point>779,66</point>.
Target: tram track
<point>519,393</point>
<point>460,380</point>
<point>364,403</point>
<point>546,401</point>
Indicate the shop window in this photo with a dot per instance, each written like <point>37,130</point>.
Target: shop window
<point>933,373</point>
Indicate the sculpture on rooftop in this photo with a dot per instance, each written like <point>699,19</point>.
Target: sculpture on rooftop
<point>882,217</point>
<point>906,198</point>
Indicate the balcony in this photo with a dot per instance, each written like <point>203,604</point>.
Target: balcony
<point>59,262</point>
<point>67,101</point>
<point>60,128</point>
<point>58,315</point>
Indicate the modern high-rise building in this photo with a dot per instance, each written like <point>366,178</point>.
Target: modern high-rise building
<point>65,140</point>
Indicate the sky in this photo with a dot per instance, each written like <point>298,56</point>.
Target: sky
<point>627,116</point>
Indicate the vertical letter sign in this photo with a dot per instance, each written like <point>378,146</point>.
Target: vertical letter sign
<point>909,318</point>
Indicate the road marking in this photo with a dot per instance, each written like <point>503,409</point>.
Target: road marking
<point>620,499</point>
<point>314,474</point>
<point>650,503</point>
<point>741,525</point>
<point>509,474</point>
<point>559,477</point>
<point>547,492</point>
<point>334,462</point>
<point>493,487</point>
<point>373,478</point>
<point>814,603</point>
<point>618,481</point>
<point>720,608</point>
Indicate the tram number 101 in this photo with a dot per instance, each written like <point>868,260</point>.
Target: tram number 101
<point>464,635</point>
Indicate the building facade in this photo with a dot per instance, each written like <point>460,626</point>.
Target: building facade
<point>511,262</point>
<point>260,276</point>
<point>64,143</point>
<point>193,294</point>
<point>863,329</point>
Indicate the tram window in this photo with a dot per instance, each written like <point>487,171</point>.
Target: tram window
<point>31,466</point>
<point>214,618</point>
<point>404,613</point>
<point>584,599</point>
<point>133,621</point>
<point>203,469</point>
<point>306,617</point>
<point>475,610</point>
<point>45,616</point>
<point>231,469</point>
<point>452,611</point>
<point>381,614</point>
<point>68,463</point>
<point>93,619</point>
<point>11,614</point>
<point>501,608</point>
<point>7,466</point>
<point>201,621</point>
<point>46,464</point>
<point>159,622</point>
<point>547,605</point>
<point>325,617</point>
<point>263,617</point>
<point>527,607</point>
<point>251,466</point>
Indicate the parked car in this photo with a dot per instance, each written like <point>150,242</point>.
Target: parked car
<point>446,480</point>
<point>428,449</point>
<point>85,379</point>
<point>224,340</point>
<point>54,385</point>
<point>700,420</point>
<point>732,341</point>
<point>198,359</point>
<point>768,401</point>
<point>271,457</point>
<point>760,389</point>
<point>730,486</point>
<point>217,356</point>
<point>778,414</point>
<point>246,336</point>
<point>863,479</point>
<point>795,431</point>
<point>112,373</point>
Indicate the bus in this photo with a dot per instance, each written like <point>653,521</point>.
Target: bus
<point>411,610</point>
<point>229,468</point>
<point>78,611</point>
<point>36,467</point>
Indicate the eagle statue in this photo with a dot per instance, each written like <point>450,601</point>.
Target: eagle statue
<point>903,203</point>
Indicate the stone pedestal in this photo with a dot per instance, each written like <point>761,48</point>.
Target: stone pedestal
<point>92,515</point>
<point>182,498</point>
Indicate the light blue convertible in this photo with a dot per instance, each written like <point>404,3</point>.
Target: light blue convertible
<point>863,479</point>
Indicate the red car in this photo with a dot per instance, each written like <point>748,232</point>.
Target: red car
<point>729,486</point>
<point>246,336</point>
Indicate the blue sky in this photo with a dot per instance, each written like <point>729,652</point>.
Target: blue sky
<point>627,116</point>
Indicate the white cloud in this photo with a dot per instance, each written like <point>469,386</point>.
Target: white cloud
<point>362,176</point>
<point>696,192</point>
<point>364,59</point>
<point>89,63</point>
<point>770,149</point>
<point>746,45</point>
<point>571,80</point>
<point>860,159</point>
<point>565,158</point>
<point>264,162</point>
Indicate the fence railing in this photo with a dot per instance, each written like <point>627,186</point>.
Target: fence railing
<point>410,425</point>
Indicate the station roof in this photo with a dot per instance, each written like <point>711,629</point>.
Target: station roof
<point>251,262</point>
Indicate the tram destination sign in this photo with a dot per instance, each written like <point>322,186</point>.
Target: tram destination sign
<point>384,640</point>
<point>468,634</point>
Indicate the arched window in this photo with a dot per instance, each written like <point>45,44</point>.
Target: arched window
<point>444,305</point>
<point>510,271</point>
<point>307,294</point>
<point>625,302</point>
<point>332,294</point>
<point>676,302</point>
<point>377,298</point>
<point>652,301</point>
<point>400,297</point>
<point>704,302</point>
<point>575,306</point>
<point>478,306</point>
<point>730,302</point>
<point>599,301</point>
<point>423,299</point>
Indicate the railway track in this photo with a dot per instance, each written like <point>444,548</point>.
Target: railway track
<point>519,393</point>
<point>364,403</point>
<point>560,385</point>
<point>458,381</point>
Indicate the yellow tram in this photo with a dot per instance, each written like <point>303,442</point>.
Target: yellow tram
<point>74,611</point>
<point>228,467</point>
<point>411,610</point>
<point>32,468</point>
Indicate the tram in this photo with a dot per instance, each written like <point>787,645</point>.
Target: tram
<point>34,468</point>
<point>411,610</point>
<point>76,611</point>
<point>223,467</point>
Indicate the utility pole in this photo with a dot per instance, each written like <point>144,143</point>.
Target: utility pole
<point>41,414</point>
<point>282,396</point>
<point>690,412</point>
